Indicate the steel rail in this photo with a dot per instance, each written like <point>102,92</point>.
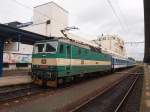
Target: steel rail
<point>106,90</point>
<point>18,93</point>
<point>126,95</point>
<point>100,93</point>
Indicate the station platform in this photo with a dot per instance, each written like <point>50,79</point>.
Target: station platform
<point>15,80</point>
<point>145,99</point>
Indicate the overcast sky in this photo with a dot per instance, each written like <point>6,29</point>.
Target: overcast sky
<point>93,17</point>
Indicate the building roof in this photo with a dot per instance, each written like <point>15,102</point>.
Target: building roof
<point>19,35</point>
<point>13,24</point>
<point>54,4</point>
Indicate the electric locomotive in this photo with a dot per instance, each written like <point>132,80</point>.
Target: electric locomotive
<point>58,59</point>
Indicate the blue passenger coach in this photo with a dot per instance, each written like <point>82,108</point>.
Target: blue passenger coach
<point>119,63</point>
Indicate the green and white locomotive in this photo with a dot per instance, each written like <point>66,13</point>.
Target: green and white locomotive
<point>56,59</point>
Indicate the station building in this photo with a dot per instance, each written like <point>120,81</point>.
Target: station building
<point>48,20</point>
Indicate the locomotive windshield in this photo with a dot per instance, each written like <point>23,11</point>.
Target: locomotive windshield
<point>39,48</point>
<point>49,47</point>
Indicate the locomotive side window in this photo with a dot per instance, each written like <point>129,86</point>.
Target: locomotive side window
<point>61,50</point>
<point>79,51</point>
<point>68,50</point>
<point>86,51</point>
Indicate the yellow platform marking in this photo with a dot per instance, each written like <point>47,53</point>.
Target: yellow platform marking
<point>147,103</point>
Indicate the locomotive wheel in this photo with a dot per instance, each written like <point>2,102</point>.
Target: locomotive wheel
<point>38,82</point>
<point>54,83</point>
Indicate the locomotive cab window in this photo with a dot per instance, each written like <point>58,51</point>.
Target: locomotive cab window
<point>49,47</point>
<point>39,48</point>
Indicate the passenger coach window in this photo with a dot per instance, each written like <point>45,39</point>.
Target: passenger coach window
<point>61,49</point>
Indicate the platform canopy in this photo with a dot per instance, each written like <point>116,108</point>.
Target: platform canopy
<point>19,35</point>
<point>8,33</point>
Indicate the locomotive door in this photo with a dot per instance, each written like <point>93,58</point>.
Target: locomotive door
<point>69,58</point>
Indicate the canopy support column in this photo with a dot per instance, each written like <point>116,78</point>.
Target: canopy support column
<point>1,56</point>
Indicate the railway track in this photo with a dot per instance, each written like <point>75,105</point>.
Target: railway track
<point>113,99</point>
<point>14,92</point>
<point>126,95</point>
<point>11,93</point>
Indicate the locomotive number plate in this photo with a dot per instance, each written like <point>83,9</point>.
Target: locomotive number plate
<point>43,61</point>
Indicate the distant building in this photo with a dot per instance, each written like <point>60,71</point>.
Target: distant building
<point>112,44</point>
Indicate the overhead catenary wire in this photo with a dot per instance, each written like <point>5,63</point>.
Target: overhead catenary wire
<point>134,43</point>
<point>116,15</point>
<point>30,8</point>
<point>123,17</point>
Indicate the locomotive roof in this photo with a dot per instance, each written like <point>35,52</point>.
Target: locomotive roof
<point>69,41</point>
